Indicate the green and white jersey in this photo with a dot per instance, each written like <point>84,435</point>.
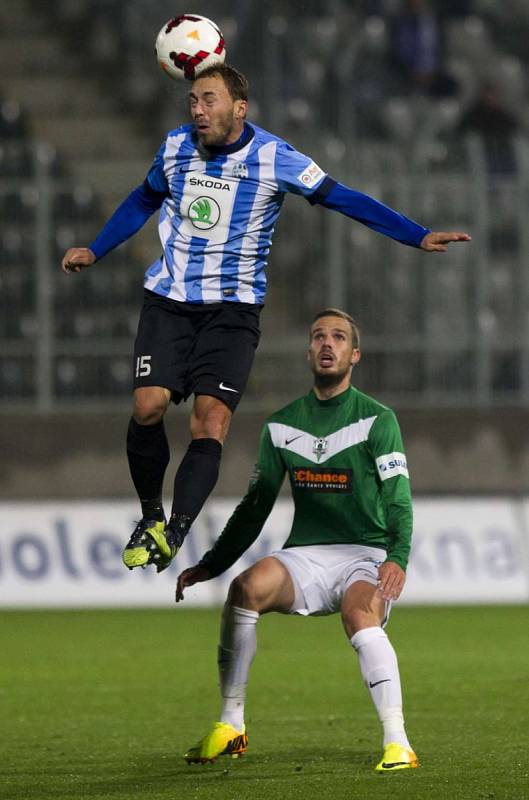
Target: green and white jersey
<point>348,475</point>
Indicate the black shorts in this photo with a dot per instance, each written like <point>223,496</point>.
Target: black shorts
<point>201,349</point>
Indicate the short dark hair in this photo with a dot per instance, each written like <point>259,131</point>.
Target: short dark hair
<point>236,83</point>
<point>336,312</point>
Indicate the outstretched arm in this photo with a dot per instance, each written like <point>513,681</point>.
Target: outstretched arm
<point>128,218</point>
<point>379,217</point>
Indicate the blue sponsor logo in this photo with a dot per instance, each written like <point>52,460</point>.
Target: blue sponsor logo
<point>395,463</point>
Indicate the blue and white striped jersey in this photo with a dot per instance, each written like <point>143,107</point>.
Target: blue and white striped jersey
<point>218,216</point>
<point>217,213</point>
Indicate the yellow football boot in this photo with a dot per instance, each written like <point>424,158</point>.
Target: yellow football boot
<point>396,757</point>
<point>222,740</point>
<point>142,547</point>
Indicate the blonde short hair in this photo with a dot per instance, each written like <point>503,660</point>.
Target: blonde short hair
<point>336,312</point>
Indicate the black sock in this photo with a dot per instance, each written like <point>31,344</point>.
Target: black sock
<point>195,479</point>
<point>148,454</point>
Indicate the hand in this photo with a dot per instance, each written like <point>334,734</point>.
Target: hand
<point>76,259</point>
<point>435,242</point>
<point>189,577</point>
<point>391,579</point>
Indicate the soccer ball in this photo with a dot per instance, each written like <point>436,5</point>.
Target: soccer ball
<point>188,44</point>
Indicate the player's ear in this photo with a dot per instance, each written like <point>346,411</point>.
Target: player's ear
<point>355,356</point>
<point>241,108</point>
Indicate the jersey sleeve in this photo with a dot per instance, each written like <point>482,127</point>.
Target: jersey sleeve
<point>135,210</point>
<point>156,177</point>
<point>385,443</point>
<point>127,219</point>
<point>370,212</point>
<point>246,522</point>
<point>296,172</point>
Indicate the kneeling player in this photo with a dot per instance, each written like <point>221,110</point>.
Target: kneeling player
<point>348,547</point>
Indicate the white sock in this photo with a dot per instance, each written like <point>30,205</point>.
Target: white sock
<point>238,644</point>
<point>380,671</point>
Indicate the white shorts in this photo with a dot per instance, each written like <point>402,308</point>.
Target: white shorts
<point>321,574</point>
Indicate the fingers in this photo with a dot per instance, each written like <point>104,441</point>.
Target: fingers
<point>185,579</point>
<point>390,589</point>
<point>68,262</point>
<point>76,258</point>
<point>67,266</point>
<point>436,241</point>
<point>391,580</point>
<point>180,585</point>
<point>179,591</point>
<point>454,237</point>
<point>189,577</point>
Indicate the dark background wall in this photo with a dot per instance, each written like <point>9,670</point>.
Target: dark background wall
<point>80,456</point>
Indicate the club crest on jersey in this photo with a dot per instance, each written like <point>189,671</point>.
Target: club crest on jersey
<point>240,170</point>
<point>319,447</point>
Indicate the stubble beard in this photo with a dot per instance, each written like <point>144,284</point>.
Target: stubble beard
<point>219,138</point>
<point>328,380</point>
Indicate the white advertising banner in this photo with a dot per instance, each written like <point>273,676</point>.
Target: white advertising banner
<point>68,554</point>
<point>469,551</point>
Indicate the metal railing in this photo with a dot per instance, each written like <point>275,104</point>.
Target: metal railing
<point>437,330</point>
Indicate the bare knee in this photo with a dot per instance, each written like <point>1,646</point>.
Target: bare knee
<point>244,592</point>
<point>357,620</point>
<point>266,586</point>
<point>362,607</point>
<point>150,405</point>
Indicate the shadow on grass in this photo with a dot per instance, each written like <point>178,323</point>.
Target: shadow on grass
<point>291,766</point>
<point>158,774</point>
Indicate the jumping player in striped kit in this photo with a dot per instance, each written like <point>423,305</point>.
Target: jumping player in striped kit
<point>219,183</point>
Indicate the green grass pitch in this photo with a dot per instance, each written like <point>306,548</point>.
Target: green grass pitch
<point>102,704</point>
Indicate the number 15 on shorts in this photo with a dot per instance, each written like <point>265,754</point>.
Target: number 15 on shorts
<point>143,366</point>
